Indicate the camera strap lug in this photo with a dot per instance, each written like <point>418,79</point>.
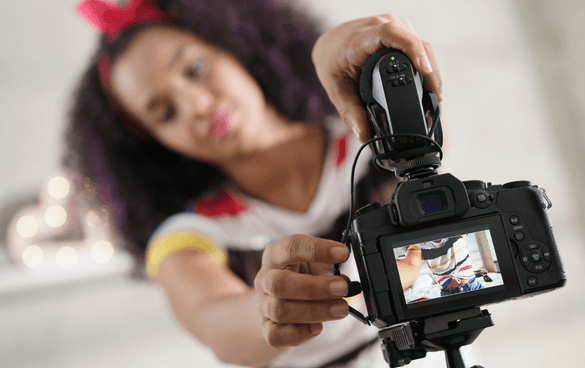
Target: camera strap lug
<point>549,203</point>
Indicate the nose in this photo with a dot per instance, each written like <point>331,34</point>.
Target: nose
<point>198,101</point>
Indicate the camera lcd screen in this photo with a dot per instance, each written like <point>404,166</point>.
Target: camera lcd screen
<point>449,265</point>
<point>452,266</point>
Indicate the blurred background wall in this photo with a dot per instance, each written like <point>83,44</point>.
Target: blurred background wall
<point>513,102</point>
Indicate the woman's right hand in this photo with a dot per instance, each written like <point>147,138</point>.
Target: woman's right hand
<point>340,53</point>
<point>297,290</point>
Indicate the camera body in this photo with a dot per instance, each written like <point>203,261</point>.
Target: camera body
<point>506,228</point>
<point>477,243</point>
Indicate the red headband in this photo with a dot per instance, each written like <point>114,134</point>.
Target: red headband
<point>111,19</point>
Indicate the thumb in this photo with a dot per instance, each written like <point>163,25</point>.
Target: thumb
<point>345,99</point>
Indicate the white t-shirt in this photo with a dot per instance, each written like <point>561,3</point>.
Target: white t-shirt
<point>234,222</point>
<point>453,264</point>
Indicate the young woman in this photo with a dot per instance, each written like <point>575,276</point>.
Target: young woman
<point>205,129</point>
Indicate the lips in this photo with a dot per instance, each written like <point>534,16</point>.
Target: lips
<point>219,124</point>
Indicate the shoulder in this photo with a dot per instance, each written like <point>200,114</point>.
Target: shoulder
<point>344,146</point>
<point>206,213</point>
<point>340,141</point>
<point>223,203</point>
<point>199,227</point>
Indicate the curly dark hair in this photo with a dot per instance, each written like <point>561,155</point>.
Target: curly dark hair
<point>140,181</point>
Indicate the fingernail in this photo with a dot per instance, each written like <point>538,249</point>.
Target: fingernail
<point>339,253</point>
<point>356,131</point>
<point>316,327</point>
<point>338,288</point>
<point>339,310</point>
<point>425,64</point>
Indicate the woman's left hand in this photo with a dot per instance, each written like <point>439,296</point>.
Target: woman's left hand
<point>340,53</point>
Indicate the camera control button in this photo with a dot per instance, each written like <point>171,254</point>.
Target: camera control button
<point>546,254</point>
<point>536,256</point>
<point>519,235</point>
<point>525,259</point>
<point>395,82</point>
<point>481,197</point>
<point>532,281</point>
<point>539,267</point>
<point>514,219</point>
<point>533,246</point>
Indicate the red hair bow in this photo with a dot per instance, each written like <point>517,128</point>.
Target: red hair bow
<point>111,19</point>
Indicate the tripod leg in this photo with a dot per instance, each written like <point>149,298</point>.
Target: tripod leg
<point>454,358</point>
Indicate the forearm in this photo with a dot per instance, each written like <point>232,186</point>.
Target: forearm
<point>231,327</point>
<point>216,307</point>
<point>409,269</point>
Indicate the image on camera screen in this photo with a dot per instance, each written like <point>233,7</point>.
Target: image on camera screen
<point>450,266</point>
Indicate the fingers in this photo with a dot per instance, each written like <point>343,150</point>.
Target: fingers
<point>351,45</point>
<point>387,32</point>
<point>291,322</point>
<point>433,80</point>
<point>392,34</point>
<point>302,248</point>
<point>285,284</point>
<point>303,312</point>
<point>297,291</point>
<point>280,335</point>
<point>350,108</point>
<point>396,35</point>
<point>318,269</point>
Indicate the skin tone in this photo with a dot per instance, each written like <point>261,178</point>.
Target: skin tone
<point>409,270</point>
<point>355,42</point>
<point>175,84</point>
<point>409,267</point>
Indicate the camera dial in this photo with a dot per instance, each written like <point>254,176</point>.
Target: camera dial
<point>475,184</point>
<point>517,184</point>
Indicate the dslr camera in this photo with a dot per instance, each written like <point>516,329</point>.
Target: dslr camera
<point>442,247</point>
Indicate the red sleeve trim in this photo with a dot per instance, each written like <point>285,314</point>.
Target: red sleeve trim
<point>340,150</point>
<point>221,205</point>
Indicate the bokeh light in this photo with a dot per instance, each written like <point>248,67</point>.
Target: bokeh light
<point>66,257</point>
<point>58,187</point>
<point>102,251</point>
<point>93,219</point>
<point>55,216</point>
<point>32,256</point>
<point>26,226</point>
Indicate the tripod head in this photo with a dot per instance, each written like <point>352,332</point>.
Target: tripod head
<point>405,342</point>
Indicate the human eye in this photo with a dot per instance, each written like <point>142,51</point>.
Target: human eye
<point>195,69</point>
<point>168,113</point>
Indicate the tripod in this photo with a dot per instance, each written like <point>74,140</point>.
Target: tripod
<point>405,342</point>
